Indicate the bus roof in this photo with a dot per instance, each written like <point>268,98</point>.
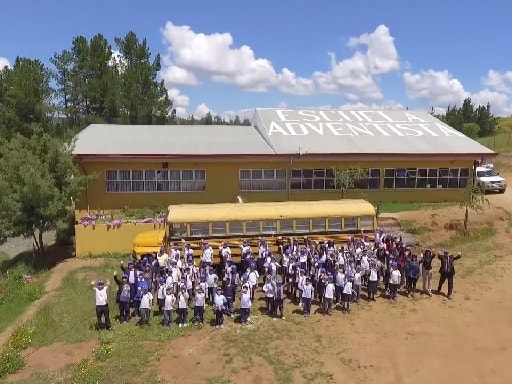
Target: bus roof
<point>196,213</point>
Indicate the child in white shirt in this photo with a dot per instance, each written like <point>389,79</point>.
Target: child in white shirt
<point>395,278</point>
<point>346,295</point>
<point>307,295</point>
<point>146,303</point>
<point>199,303</point>
<point>245,304</point>
<point>356,285</point>
<point>169,301</point>
<point>183,306</point>
<point>101,295</point>
<point>328,296</point>
<point>219,305</point>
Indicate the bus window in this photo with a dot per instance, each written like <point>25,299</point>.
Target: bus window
<point>285,226</point>
<point>199,229</point>
<point>236,228</point>
<point>334,224</point>
<point>301,225</point>
<point>350,223</point>
<point>252,228</point>
<point>366,222</point>
<point>318,225</point>
<point>269,226</point>
<point>219,228</point>
<point>178,230</point>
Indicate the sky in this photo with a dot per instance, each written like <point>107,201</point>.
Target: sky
<point>231,56</point>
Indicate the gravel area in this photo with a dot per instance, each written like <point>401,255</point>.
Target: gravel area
<point>16,245</point>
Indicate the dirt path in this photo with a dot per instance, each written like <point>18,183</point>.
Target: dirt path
<point>52,285</point>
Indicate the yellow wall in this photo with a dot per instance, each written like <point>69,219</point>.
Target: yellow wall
<point>222,183</point>
<point>98,240</point>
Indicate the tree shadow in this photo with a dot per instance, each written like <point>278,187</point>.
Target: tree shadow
<point>54,255</point>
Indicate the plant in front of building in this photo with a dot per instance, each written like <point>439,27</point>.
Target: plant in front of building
<point>115,219</point>
<point>474,199</point>
<point>38,179</point>
<point>347,178</point>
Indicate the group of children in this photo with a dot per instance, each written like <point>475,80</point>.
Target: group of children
<point>302,272</point>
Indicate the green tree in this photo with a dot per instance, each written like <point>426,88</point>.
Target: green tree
<point>471,130</point>
<point>347,178</point>
<point>38,180</point>
<point>236,120</point>
<point>246,122</point>
<point>103,80</point>
<point>26,98</point>
<point>207,119</point>
<point>144,99</point>
<point>468,113</point>
<point>473,200</point>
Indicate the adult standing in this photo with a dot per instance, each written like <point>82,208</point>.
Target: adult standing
<point>426,270</point>
<point>447,270</point>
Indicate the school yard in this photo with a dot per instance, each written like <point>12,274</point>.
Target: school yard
<point>421,340</point>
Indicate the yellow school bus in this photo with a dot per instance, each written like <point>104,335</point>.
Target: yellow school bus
<point>236,222</point>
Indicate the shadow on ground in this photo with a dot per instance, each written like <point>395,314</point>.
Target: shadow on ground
<point>54,254</point>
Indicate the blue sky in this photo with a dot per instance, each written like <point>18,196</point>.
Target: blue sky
<point>403,53</point>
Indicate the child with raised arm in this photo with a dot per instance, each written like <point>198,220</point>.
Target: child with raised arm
<point>100,289</point>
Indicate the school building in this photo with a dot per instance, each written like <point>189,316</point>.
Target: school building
<point>287,155</point>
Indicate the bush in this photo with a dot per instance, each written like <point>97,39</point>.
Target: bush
<point>85,372</point>
<point>21,339</point>
<point>10,362</point>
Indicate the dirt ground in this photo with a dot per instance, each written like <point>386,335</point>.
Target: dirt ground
<point>421,340</point>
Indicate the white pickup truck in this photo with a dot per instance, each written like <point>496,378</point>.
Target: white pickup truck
<point>490,180</point>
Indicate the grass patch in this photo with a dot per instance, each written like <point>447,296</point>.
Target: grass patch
<point>16,294</point>
<point>414,228</point>
<point>463,238</point>
<point>395,207</point>
<point>501,142</point>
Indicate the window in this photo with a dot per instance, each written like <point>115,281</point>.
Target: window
<point>262,179</point>
<point>199,229</point>
<point>318,225</point>
<point>419,178</point>
<point>323,179</point>
<point>236,228</point>
<point>219,228</point>
<point>350,223</point>
<point>155,180</point>
<point>269,226</point>
<point>334,224</point>
<point>286,226</point>
<point>366,223</point>
<point>301,225</point>
<point>252,227</point>
<point>178,230</point>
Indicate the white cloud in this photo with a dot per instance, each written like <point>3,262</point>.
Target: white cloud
<point>192,56</point>
<point>180,102</point>
<point>440,88</point>
<point>4,62</point>
<point>202,109</point>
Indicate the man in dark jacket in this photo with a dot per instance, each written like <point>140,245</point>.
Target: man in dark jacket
<point>447,270</point>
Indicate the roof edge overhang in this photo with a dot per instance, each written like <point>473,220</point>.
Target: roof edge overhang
<point>295,156</point>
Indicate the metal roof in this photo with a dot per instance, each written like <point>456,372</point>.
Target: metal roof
<point>287,132</point>
<point>146,140</point>
<point>200,213</point>
<point>312,131</point>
